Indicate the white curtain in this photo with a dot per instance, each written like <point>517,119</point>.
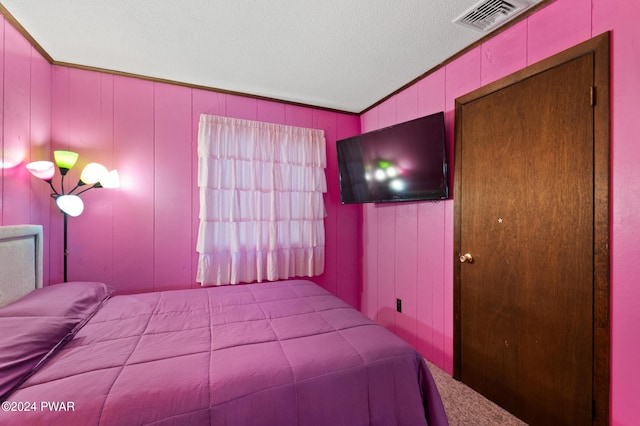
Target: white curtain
<point>261,201</point>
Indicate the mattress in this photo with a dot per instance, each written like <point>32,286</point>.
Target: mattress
<point>282,353</point>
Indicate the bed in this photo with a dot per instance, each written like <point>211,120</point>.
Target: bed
<point>281,353</point>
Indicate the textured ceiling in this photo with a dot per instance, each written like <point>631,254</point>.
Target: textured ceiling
<point>338,54</point>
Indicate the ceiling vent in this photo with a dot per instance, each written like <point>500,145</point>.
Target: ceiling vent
<point>490,14</point>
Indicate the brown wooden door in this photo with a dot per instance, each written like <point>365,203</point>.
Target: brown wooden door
<point>526,211</point>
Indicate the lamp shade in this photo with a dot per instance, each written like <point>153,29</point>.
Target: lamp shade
<point>93,172</point>
<point>111,180</point>
<point>42,169</point>
<point>65,159</point>
<point>70,204</point>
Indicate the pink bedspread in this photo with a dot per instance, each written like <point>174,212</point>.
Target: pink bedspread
<point>285,353</point>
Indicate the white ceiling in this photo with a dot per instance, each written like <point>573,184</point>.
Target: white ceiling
<point>338,54</point>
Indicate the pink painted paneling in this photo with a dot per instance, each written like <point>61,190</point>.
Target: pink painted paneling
<point>369,299</point>
<point>207,102</point>
<point>133,232</point>
<point>407,104</point>
<point>59,140</point>
<point>385,264</point>
<point>2,108</point>
<point>271,112</point>
<point>388,113</point>
<point>435,256</point>
<point>406,239</point>
<point>25,94</point>
<point>349,253</point>
<point>60,107</point>
<point>327,121</point>
<point>298,116</point>
<point>370,119</point>
<point>386,228</point>
<point>462,76</point>
<point>406,276</point>
<point>210,103</point>
<point>447,290</point>
<point>94,262</point>
<point>563,23</point>
<point>558,26</point>
<point>504,55</point>
<point>610,14</point>
<point>40,147</point>
<point>127,237</point>
<point>103,266</point>
<point>16,127</point>
<point>349,232</point>
<point>147,127</point>
<point>140,237</point>
<point>621,17</point>
<point>40,102</point>
<point>430,271</point>
<point>241,107</point>
<point>430,221</point>
<point>173,242</point>
<point>83,134</point>
<point>431,93</point>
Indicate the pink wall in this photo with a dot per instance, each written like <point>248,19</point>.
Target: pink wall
<point>25,127</point>
<point>140,237</point>
<point>408,248</point>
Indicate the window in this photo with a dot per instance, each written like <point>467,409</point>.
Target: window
<point>261,201</point>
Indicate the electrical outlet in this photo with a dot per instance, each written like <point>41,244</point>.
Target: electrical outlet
<point>398,305</point>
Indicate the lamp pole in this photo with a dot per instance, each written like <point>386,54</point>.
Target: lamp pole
<point>64,253</point>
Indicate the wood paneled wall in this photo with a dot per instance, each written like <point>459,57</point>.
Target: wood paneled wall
<point>25,128</point>
<point>408,250</point>
<point>127,236</point>
<point>142,236</point>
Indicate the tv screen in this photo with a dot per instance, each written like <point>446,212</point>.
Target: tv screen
<point>404,162</point>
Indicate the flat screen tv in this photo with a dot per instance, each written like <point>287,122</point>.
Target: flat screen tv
<point>403,162</point>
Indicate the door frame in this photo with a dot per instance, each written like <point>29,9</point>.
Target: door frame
<point>599,47</point>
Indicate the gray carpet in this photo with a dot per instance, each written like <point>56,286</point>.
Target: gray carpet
<point>465,407</point>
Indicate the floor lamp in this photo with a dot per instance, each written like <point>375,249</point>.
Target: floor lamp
<point>94,175</point>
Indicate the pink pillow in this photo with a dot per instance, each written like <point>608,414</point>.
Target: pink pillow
<point>33,327</point>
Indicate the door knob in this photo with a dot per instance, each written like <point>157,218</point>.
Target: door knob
<point>466,258</point>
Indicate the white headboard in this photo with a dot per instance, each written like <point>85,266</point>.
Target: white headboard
<point>20,261</point>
